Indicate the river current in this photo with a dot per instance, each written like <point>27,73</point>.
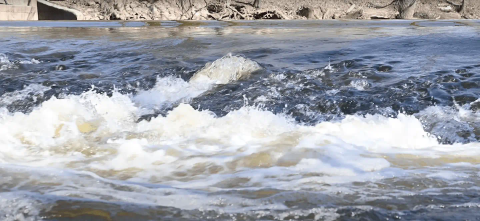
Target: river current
<point>261,120</point>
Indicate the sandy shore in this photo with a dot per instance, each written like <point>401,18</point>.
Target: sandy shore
<point>269,9</point>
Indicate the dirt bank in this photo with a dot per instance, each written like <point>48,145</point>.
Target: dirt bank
<point>269,9</point>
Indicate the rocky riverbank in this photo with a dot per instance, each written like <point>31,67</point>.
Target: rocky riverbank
<point>269,9</point>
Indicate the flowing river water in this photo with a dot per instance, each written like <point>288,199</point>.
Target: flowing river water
<point>333,120</point>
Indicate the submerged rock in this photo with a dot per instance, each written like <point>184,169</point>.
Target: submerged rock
<point>60,67</point>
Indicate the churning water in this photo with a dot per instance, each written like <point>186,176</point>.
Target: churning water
<point>335,120</point>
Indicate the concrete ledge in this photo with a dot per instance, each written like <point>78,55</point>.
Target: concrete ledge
<point>17,12</point>
<point>51,11</point>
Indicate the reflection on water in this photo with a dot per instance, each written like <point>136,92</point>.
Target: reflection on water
<point>304,120</point>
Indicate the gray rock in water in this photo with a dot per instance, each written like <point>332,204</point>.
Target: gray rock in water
<point>60,67</point>
<point>225,70</point>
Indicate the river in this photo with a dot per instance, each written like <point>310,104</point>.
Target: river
<point>293,120</point>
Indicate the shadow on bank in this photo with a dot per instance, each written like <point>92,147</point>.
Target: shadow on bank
<point>50,11</point>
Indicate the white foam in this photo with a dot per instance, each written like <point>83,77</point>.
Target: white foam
<point>360,84</point>
<point>32,61</point>
<point>338,149</point>
<point>379,133</point>
<point>168,91</point>
<point>60,121</point>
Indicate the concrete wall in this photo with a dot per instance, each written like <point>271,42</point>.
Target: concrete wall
<point>19,10</point>
<point>19,2</point>
<point>36,10</point>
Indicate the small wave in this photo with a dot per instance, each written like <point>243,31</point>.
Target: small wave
<point>6,64</point>
<point>32,90</point>
<point>457,124</point>
<point>167,92</point>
